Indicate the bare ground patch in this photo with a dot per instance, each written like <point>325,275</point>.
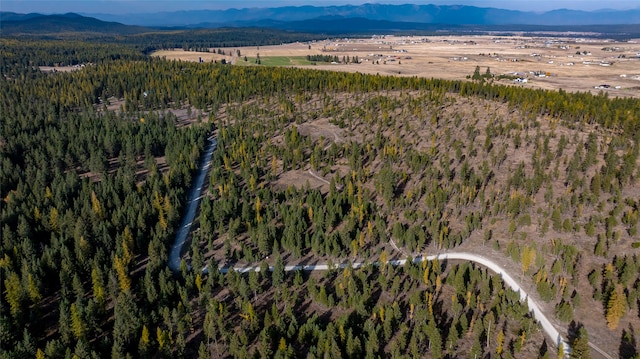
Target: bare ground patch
<point>300,179</point>
<point>322,129</point>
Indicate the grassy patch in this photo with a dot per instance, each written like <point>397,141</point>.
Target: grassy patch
<point>277,61</point>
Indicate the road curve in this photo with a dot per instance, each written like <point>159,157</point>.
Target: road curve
<point>548,328</point>
<point>194,201</point>
<point>192,205</point>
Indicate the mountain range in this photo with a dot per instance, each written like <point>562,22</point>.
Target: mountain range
<point>430,14</point>
<point>335,20</point>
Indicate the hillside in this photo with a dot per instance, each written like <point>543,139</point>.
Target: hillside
<point>310,167</point>
<point>36,24</point>
<point>430,170</point>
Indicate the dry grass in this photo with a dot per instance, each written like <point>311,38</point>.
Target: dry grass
<point>455,57</point>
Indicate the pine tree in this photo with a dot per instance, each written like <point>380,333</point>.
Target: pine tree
<point>126,322</point>
<point>165,342</point>
<point>476,74</point>
<point>127,246</point>
<point>277,276</point>
<point>580,346</point>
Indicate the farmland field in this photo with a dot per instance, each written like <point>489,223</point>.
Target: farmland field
<point>568,63</point>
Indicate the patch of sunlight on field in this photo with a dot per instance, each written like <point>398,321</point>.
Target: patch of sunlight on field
<point>277,61</point>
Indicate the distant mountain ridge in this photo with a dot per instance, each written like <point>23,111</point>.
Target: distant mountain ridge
<point>429,14</point>
<point>13,23</point>
<point>330,20</point>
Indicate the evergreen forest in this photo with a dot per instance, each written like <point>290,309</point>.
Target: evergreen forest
<point>311,167</point>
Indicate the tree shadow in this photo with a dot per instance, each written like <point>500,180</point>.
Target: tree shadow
<point>573,331</point>
<point>628,346</point>
<point>544,349</point>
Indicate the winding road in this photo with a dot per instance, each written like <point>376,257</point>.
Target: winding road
<point>194,197</point>
<point>549,329</point>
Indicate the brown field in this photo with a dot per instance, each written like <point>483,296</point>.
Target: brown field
<point>546,62</point>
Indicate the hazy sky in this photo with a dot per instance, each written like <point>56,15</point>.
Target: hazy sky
<point>134,6</point>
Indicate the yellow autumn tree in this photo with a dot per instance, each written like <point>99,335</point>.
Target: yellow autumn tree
<point>144,338</point>
<point>429,299</point>
<point>383,260</point>
<point>425,276</point>
<point>561,351</point>
<point>252,183</point>
<point>248,313</point>
<point>123,273</point>
<point>77,323</point>
<point>158,204</point>
<point>282,346</point>
<point>54,223</point>
<point>616,307</point>
<point>198,282</point>
<point>96,206</point>
<point>164,339</point>
<point>528,257</point>
<point>32,288</point>
<point>14,293</point>
<point>500,342</point>
<point>258,206</point>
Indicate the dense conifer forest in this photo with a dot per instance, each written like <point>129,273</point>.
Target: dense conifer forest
<point>96,164</point>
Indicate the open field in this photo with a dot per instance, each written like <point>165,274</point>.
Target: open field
<point>279,61</point>
<point>569,63</point>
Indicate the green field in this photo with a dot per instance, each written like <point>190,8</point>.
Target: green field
<point>277,61</point>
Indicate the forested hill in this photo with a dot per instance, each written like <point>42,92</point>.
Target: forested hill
<point>15,24</point>
<point>135,38</point>
<point>311,167</point>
